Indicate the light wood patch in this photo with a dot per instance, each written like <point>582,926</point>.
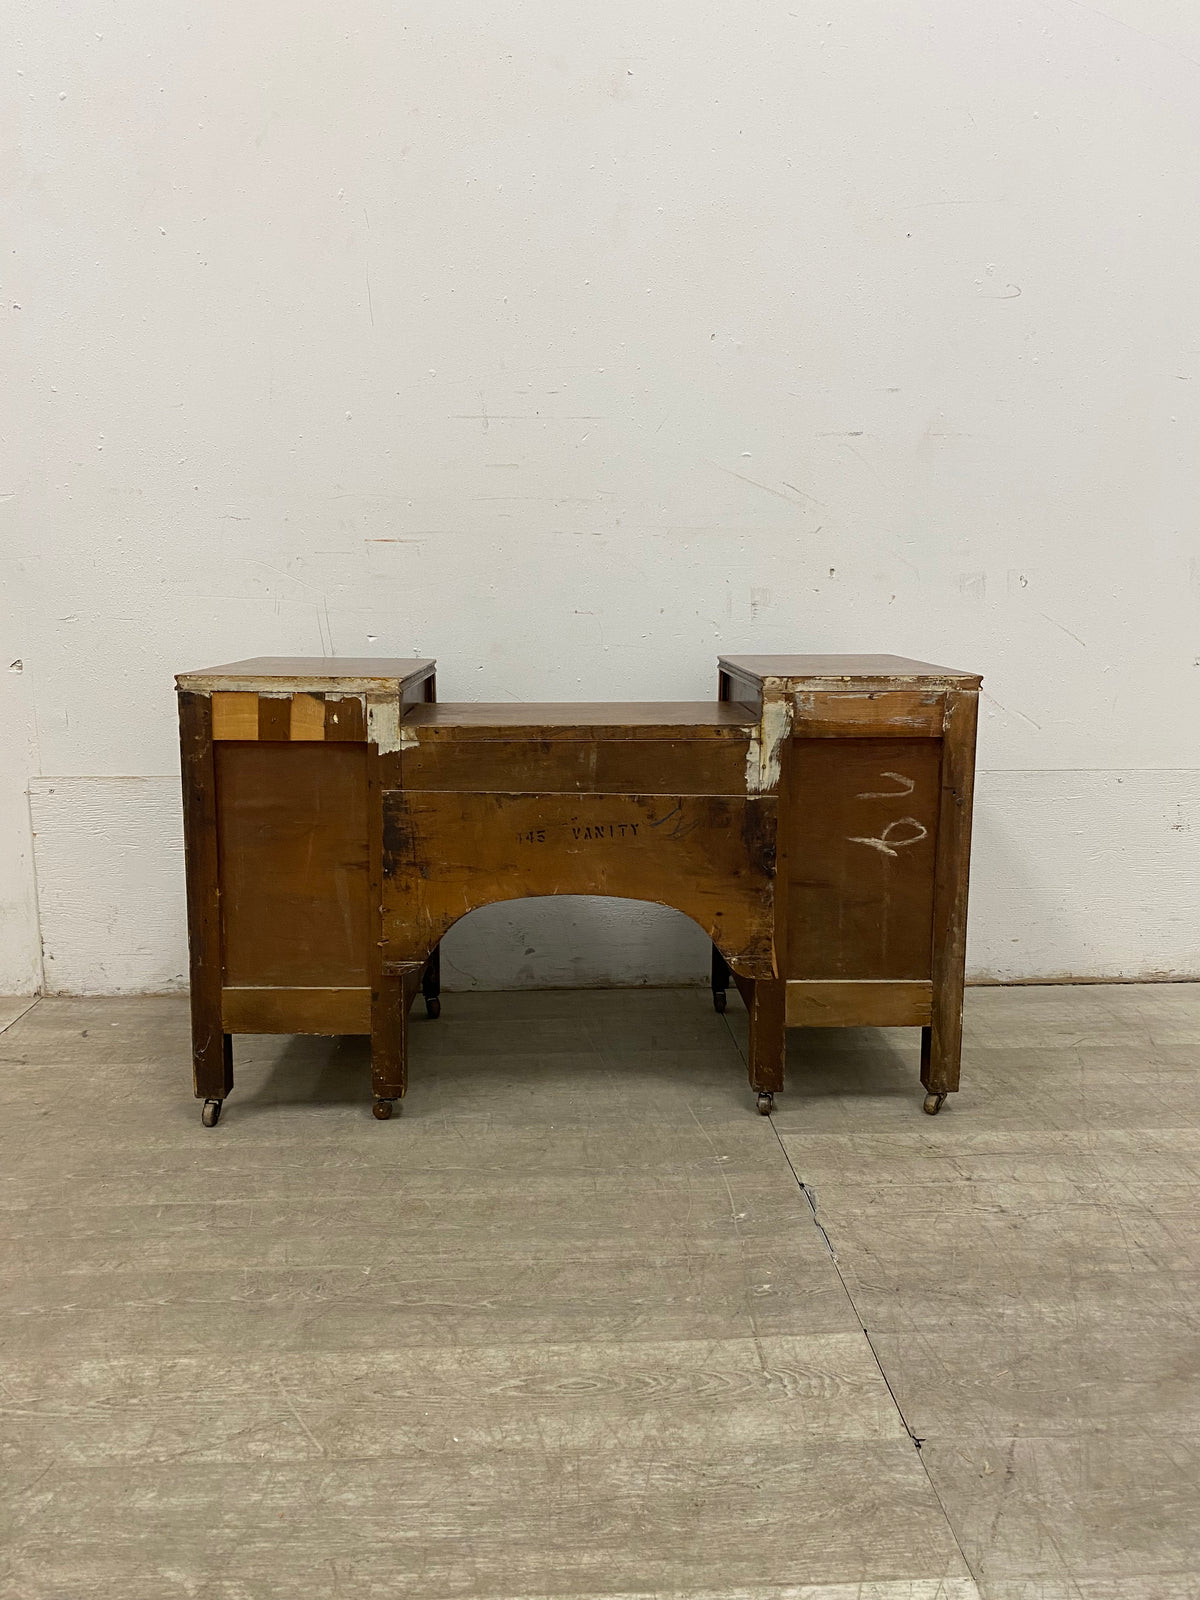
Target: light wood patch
<point>308,717</point>
<point>917,713</point>
<point>235,716</point>
<point>280,1009</point>
<point>864,1003</point>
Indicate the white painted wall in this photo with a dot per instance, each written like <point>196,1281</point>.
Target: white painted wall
<point>571,344</point>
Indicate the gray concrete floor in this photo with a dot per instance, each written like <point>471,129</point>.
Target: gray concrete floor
<point>580,1323</point>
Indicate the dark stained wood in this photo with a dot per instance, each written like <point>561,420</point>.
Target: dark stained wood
<point>862,834</point>
<point>352,819</point>
<point>274,717</point>
<point>720,977</point>
<point>212,1048</point>
<point>942,1049</point>
<point>874,836</point>
<point>294,1010</point>
<point>768,1034</point>
<point>740,688</point>
<point>863,671</point>
<point>711,857</point>
<point>591,766</point>
<point>286,674</point>
<point>391,994</point>
<point>431,978</point>
<point>699,719</point>
<point>868,1003</point>
<point>914,713</point>
<point>345,721</point>
<point>417,691</point>
<point>292,820</point>
<point>280,818</point>
<point>642,801</point>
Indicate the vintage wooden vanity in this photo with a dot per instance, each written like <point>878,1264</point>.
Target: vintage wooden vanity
<point>814,819</point>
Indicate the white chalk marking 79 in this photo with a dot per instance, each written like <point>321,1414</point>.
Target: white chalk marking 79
<point>886,844</point>
<point>907,787</point>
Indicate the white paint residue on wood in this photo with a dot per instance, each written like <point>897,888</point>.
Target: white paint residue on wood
<point>339,700</point>
<point>764,758</point>
<point>384,726</point>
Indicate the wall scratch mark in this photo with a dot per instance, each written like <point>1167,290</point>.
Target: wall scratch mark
<point>1065,629</point>
<point>765,487</point>
<point>986,696</point>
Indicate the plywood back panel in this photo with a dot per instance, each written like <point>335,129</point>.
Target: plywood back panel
<point>292,821</point>
<point>711,857</point>
<point>595,766</point>
<point>861,857</point>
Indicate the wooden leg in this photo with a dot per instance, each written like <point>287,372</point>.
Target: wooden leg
<point>768,1036</point>
<point>720,978</point>
<point>390,1000</point>
<point>431,983</point>
<point>212,1058</point>
<point>391,994</point>
<point>941,1052</point>
<point>212,1048</point>
<point>941,1043</point>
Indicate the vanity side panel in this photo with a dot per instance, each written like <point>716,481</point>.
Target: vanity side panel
<point>863,821</point>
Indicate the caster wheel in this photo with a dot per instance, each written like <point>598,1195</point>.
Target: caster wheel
<point>718,999</point>
<point>433,1007</point>
<point>211,1114</point>
<point>934,1103</point>
<point>766,1101</point>
<point>382,1109</point>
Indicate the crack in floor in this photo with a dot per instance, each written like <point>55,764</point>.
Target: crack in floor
<point>810,1199</point>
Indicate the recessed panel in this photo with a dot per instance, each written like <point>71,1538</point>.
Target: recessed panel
<point>710,856</point>
<point>292,844</point>
<point>862,835</point>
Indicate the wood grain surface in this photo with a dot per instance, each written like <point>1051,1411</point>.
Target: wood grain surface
<point>287,674</point>
<point>581,720</point>
<point>292,819</point>
<point>835,670</point>
<point>863,840</point>
<point>212,1056</point>
<point>711,857</point>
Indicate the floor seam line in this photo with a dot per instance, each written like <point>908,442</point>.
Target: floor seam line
<point>820,1226</point>
<point>24,1012</point>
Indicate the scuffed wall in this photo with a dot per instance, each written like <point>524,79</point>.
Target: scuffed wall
<point>572,345</point>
